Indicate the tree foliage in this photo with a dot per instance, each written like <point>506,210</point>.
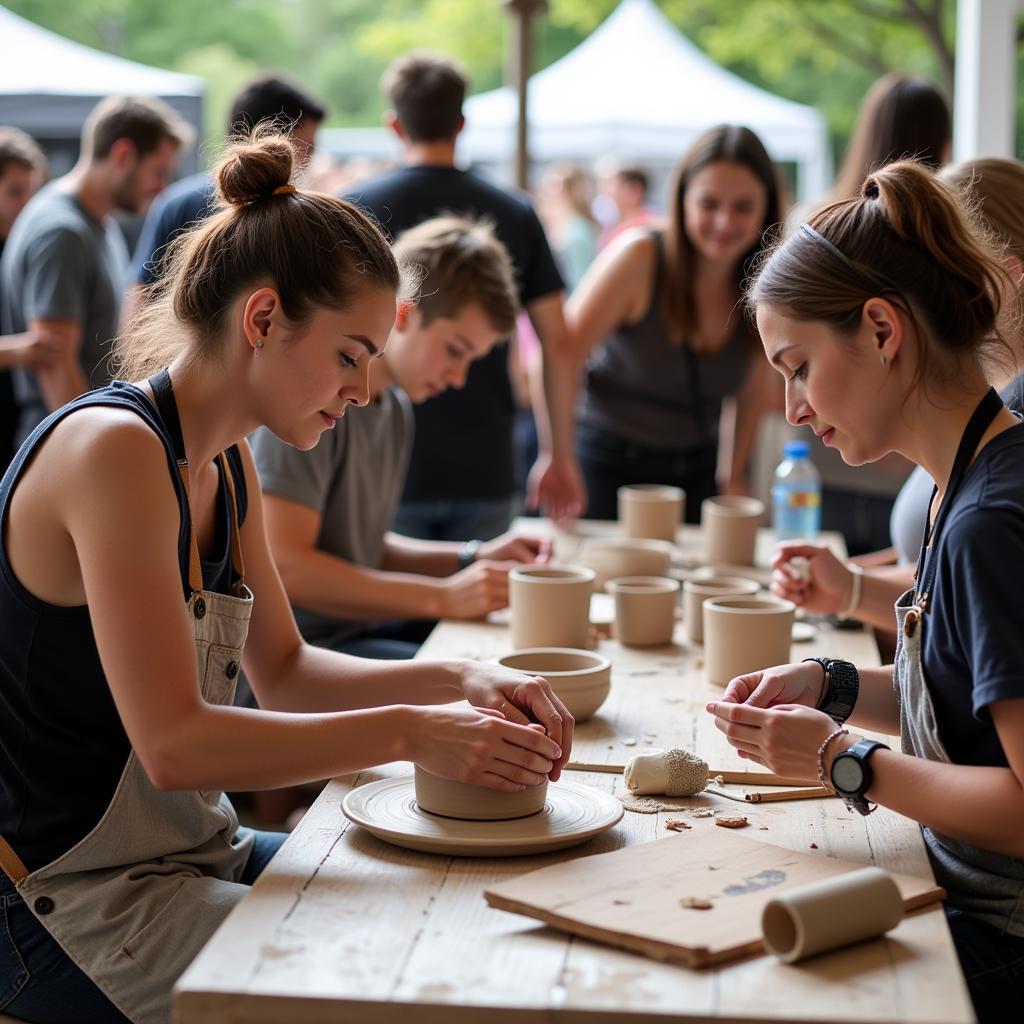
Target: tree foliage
<point>822,52</point>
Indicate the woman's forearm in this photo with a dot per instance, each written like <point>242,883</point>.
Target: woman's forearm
<point>877,708</point>
<point>315,679</point>
<point>238,748</point>
<point>878,595</point>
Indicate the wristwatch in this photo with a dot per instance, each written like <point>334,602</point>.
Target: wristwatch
<point>851,775</point>
<point>467,553</point>
<point>842,685</point>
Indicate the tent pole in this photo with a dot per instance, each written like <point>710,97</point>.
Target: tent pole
<point>520,66</point>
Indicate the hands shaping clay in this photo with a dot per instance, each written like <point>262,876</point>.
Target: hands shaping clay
<point>674,772</point>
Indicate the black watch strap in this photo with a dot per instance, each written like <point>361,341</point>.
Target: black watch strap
<point>842,686</point>
<point>861,751</point>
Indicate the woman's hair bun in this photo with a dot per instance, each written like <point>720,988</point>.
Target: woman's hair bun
<point>254,166</point>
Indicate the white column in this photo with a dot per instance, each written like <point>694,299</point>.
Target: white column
<point>986,78</point>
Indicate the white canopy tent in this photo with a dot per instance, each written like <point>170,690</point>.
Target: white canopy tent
<point>638,89</point>
<point>48,85</point>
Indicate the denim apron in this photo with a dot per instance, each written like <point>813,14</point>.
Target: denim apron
<point>135,901</point>
<point>984,884</point>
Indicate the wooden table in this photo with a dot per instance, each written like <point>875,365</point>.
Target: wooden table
<point>342,927</point>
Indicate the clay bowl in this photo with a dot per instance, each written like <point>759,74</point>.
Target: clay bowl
<point>463,800</point>
<point>625,556</point>
<point>581,679</point>
<point>744,634</point>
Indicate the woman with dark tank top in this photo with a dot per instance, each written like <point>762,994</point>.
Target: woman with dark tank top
<point>132,544</point>
<point>657,321</point>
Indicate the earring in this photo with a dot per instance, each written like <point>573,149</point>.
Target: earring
<point>884,360</point>
<point>259,344</point>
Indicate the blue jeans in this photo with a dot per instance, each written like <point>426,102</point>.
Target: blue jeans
<point>39,982</point>
<point>993,966</point>
<point>455,520</point>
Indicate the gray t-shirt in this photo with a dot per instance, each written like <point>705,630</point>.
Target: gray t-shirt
<point>353,480</point>
<point>60,263</point>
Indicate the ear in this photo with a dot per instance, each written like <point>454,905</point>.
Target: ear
<point>1014,267</point>
<point>262,312</point>
<point>391,120</point>
<point>406,315</point>
<point>461,124</point>
<point>884,324</point>
<point>123,154</point>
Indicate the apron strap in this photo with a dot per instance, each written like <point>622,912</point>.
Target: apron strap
<point>11,863</point>
<point>163,395</point>
<point>236,539</point>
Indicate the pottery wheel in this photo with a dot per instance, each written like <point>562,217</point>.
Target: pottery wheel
<point>572,814</point>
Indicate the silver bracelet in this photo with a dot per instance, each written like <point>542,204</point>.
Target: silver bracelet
<point>855,590</point>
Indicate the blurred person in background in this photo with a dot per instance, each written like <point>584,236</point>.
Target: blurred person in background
<point>658,323</point>
<point>565,207</point>
<point>628,187</point>
<point>63,270</point>
<point>22,171</point>
<point>462,482</point>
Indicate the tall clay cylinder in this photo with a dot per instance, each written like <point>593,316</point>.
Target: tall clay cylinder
<point>730,527</point>
<point>645,609</point>
<point>550,605</point>
<point>832,913</point>
<point>696,592</point>
<point>744,634</point>
<point>651,510</point>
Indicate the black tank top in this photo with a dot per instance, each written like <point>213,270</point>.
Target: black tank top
<point>62,744</point>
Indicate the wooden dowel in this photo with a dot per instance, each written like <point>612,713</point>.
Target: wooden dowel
<point>742,777</point>
<point>811,793</point>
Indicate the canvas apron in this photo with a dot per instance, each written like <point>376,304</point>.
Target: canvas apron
<point>135,901</point>
<point>980,882</point>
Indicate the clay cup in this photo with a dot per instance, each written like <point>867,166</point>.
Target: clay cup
<point>651,510</point>
<point>730,528</point>
<point>550,605</point>
<point>696,592</point>
<point>645,609</point>
<point>744,634</point>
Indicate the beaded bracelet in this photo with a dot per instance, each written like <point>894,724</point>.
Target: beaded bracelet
<point>821,757</point>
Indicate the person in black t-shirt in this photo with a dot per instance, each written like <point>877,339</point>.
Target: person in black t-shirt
<point>461,480</point>
<point>883,314</point>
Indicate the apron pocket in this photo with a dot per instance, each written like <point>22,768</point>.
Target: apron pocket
<point>14,974</point>
<point>221,674</point>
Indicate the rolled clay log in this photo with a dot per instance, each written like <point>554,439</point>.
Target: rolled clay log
<point>835,912</point>
<point>674,772</point>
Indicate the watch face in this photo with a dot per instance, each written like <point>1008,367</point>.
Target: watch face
<point>847,775</point>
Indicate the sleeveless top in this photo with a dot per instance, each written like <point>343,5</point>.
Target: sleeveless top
<point>641,387</point>
<point>62,744</point>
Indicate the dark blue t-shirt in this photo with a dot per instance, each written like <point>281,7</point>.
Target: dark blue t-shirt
<point>974,634</point>
<point>463,448</point>
<point>176,209</point>
<point>62,744</point>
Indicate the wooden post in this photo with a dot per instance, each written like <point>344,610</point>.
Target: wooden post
<point>520,65</point>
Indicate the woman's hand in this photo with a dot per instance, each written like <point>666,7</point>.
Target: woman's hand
<point>521,699</point>
<point>782,684</point>
<point>822,584</point>
<point>784,739</point>
<point>479,746</point>
<point>516,547</point>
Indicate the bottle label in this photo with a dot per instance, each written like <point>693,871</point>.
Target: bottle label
<point>798,499</point>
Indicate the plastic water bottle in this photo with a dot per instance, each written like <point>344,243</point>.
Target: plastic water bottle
<point>796,494</point>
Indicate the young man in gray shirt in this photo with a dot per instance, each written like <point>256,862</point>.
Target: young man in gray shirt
<point>63,269</point>
<point>328,511</point>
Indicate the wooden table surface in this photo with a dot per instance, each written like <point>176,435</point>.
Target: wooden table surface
<point>343,927</point>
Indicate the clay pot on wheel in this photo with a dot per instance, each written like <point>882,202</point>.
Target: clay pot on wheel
<point>463,800</point>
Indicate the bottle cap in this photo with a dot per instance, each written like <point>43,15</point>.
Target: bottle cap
<point>796,450</point>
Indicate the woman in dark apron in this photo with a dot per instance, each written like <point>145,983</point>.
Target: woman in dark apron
<point>883,314</point>
<point>133,545</point>
<point>658,321</point>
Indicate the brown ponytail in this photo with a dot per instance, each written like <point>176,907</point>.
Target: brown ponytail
<point>318,252</point>
<point>904,237</point>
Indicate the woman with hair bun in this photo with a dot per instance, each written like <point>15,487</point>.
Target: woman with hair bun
<point>133,545</point>
<point>883,316</point>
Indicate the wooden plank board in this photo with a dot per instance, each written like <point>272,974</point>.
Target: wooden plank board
<point>632,898</point>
